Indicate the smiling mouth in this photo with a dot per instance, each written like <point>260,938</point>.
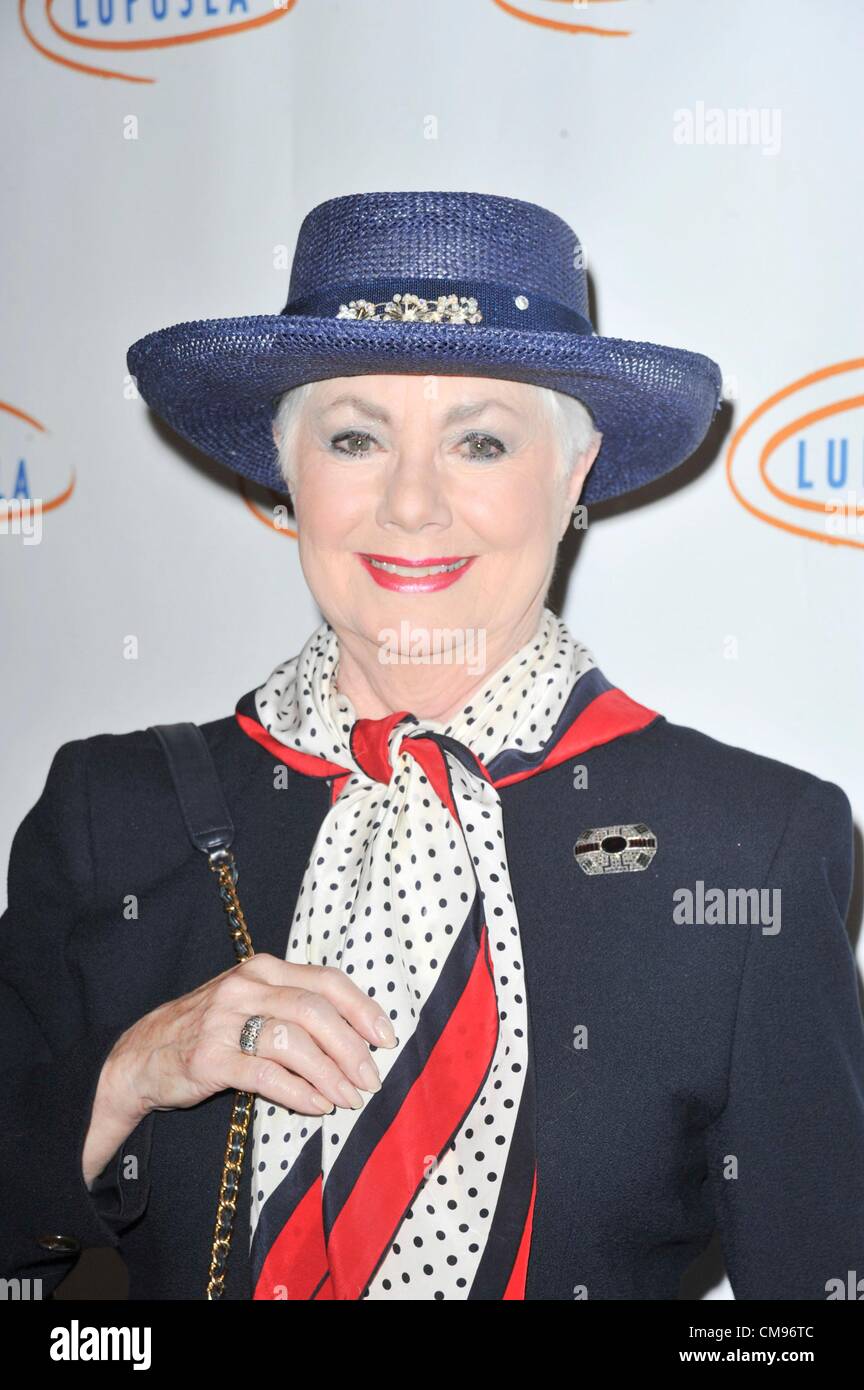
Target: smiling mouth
<point>415,569</point>
<point>423,576</point>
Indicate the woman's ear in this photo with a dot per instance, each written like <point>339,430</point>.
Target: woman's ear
<point>276,440</point>
<point>576,480</point>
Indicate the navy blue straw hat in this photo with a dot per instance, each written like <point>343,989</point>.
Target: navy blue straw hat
<point>459,284</point>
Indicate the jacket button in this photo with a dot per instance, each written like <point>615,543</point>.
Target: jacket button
<point>53,1242</point>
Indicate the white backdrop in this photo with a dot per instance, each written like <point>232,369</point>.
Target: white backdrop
<point>133,204</point>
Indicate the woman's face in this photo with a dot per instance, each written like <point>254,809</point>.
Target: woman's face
<point>445,470</point>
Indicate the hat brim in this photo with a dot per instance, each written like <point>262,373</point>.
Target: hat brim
<point>216,381</point>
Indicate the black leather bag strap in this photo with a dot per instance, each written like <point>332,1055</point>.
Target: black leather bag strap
<point>199,791</point>
<point>211,830</point>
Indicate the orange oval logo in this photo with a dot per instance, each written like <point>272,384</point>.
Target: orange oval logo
<point>32,482</point>
<point>797,461</point>
<point>53,27</point>
<point>541,13</point>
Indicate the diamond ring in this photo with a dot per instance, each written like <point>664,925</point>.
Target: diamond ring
<point>249,1033</point>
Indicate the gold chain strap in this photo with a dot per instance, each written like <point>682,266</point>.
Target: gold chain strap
<point>222,863</point>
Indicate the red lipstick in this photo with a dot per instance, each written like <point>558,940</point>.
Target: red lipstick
<point>445,570</point>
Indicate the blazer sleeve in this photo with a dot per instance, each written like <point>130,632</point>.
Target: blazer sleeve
<point>51,1052</point>
<point>786,1153</point>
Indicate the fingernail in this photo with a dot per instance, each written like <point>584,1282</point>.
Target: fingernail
<point>350,1095</point>
<point>369,1076</point>
<point>384,1030</point>
<point>322,1102</point>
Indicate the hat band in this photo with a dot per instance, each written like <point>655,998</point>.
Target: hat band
<point>500,306</point>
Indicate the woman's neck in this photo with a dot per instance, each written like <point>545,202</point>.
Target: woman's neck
<point>432,689</point>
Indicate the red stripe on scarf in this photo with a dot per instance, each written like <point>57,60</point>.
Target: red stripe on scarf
<point>608,716</point>
<point>303,762</point>
<point>519,1274</point>
<point>426,1121</point>
<point>336,787</point>
<point>297,1259</point>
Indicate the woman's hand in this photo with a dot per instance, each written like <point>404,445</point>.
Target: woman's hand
<point>312,1051</point>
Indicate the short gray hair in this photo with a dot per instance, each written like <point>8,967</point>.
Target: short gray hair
<point>573,423</point>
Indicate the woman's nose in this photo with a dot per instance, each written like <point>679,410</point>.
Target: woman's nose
<point>413,495</point>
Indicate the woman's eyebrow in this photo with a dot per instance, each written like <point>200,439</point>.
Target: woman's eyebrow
<point>467,409</point>
<point>463,411</point>
<point>365,407</point>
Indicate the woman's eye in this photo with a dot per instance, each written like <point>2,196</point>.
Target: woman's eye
<point>357,442</point>
<point>483,446</point>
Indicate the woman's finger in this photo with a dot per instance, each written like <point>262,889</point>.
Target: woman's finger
<point>292,1047</point>
<point>272,1082</point>
<point>310,1010</point>
<point>355,1006</point>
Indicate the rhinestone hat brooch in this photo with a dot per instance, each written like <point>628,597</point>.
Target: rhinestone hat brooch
<point>410,308</point>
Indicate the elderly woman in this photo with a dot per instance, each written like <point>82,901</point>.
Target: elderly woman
<point>451,1061</point>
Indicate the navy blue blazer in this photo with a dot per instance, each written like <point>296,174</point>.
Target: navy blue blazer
<point>690,1077</point>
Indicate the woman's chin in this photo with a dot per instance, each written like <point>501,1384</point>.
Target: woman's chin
<point>426,611</point>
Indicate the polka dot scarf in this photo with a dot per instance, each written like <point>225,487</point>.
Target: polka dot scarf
<point>427,1191</point>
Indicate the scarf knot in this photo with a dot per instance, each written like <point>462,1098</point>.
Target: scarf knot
<point>377,745</point>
